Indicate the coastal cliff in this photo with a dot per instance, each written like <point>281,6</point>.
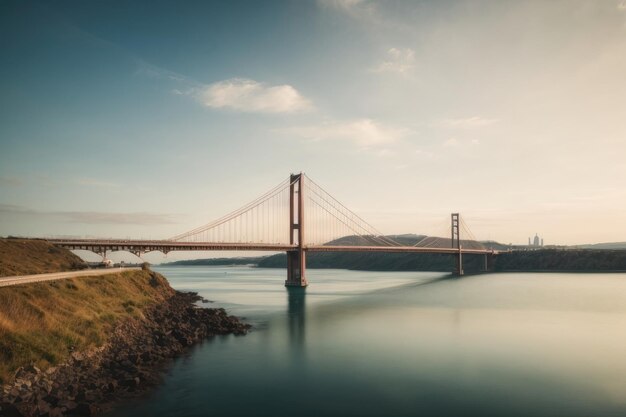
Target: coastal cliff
<point>76,346</point>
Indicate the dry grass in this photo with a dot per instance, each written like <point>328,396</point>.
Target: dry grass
<point>41,322</point>
<point>33,256</point>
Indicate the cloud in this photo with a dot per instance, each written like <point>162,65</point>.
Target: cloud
<point>91,182</point>
<point>13,209</point>
<point>451,143</point>
<point>466,123</point>
<point>11,181</point>
<point>239,94</point>
<point>398,61</point>
<point>93,217</point>
<point>454,142</point>
<point>98,217</point>
<point>364,132</point>
<point>364,11</point>
<point>622,6</point>
<point>343,5</point>
<point>152,71</point>
<point>424,154</point>
<point>251,96</point>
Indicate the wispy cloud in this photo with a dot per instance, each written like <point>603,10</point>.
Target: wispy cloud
<point>94,217</point>
<point>454,142</point>
<point>246,95</point>
<point>98,217</point>
<point>152,71</point>
<point>466,123</point>
<point>13,209</point>
<point>348,6</point>
<point>368,13</point>
<point>238,94</point>
<point>91,182</point>
<point>11,181</point>
<point>364,132</point>
<point>399,60</point>
<point>622,6</point>
<point>450,143</point>
<point>424,154</point>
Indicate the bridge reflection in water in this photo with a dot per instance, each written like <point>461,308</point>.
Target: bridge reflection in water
<point>296,317</point>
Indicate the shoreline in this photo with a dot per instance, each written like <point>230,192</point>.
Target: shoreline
<point>128,365</point>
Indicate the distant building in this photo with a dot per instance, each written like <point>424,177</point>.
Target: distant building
<point>537,242</point>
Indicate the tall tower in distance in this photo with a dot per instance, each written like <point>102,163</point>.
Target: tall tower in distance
<point>536,240</point>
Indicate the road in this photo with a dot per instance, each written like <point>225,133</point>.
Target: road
<point>26,279</point>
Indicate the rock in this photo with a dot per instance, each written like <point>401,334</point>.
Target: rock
<point>130,382</point>
<point>67,405</point>
<point>85,409</point>
<point>19,373</point>
<point>126,365</point>
<point>43,407</point>
<point>55,412</point>
<point>9,410</point>
<point>112,385</point>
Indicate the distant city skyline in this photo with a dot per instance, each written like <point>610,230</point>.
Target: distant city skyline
<point>141,119</point>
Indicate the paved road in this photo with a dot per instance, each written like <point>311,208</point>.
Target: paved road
<point>25,279</point>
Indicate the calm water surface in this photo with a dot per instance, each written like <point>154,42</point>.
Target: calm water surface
<point>402,344</point>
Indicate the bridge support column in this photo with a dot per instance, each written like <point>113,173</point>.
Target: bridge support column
<point>296,269</point>
<point>459,264</point>
<point>455,226</point>
<point>296,259</point>
<point>488,265</point>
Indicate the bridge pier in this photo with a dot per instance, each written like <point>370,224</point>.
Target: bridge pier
<point>455,226</point>
<point>296,269</point>
<point>459,264</point>
<point>488,262</point>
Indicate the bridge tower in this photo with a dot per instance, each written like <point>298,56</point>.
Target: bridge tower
<point>296,259</point>
<point>456,241</point>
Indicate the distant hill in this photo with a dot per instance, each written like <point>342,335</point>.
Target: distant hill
<point>583,260</point>
<point>598,257</point>
<point>363,260</point>
<point>216,261</point>
<point>608,245</point>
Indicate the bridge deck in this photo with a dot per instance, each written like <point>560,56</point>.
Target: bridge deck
<point>98,245</point>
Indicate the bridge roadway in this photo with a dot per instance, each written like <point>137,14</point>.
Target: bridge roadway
<point>165,246</point>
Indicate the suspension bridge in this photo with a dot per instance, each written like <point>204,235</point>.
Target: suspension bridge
<point>298,217</point>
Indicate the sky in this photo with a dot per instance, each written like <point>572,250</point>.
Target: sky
<point>145,119</point>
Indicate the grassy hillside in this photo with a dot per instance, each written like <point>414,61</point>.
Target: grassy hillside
<point>41,323</point>
<point>33,256</point>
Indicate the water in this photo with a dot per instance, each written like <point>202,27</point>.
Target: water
<point>402,344</point>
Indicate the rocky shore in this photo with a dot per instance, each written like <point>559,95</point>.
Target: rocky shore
<point>127,365</point>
